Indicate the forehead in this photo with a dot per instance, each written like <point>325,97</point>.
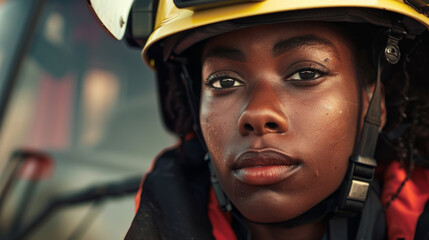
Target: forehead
<point>280,37</point>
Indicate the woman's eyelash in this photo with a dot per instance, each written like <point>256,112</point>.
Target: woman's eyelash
<point>315,69</point>
<point>217,76</point>
<point>222,81</point>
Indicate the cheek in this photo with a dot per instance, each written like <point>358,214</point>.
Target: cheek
<point>333,136</point>
<point>209,130</point>
<point>216,120</point>
<point>337,120</point>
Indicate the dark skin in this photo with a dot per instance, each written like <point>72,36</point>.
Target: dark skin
<point>280,109</point>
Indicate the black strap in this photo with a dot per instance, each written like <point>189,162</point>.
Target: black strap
<point>372,123</point>
<point>372,224</point>
<point>360,174</point>
<point>338,228</point>
<point>222,199</point>
<point>193,102</point>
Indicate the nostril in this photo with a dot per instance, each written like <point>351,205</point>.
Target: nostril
<point>248,127</point>
<point>271,125</point>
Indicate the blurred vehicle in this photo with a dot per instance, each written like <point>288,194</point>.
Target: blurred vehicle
<point>79,124</point>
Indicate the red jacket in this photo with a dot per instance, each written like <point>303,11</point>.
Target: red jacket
<point>403,214</point>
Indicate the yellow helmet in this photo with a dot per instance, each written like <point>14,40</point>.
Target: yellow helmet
<point>173,19</point>
<point>155,21</point>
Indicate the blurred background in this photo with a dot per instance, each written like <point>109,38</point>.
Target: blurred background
<point>79,123</point>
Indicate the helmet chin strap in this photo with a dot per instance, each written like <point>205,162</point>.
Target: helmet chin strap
<point>221,198</point>
<point>193,102</point>
<point>360,174</point>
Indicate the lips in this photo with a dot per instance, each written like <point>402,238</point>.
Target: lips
<point>264,167</point>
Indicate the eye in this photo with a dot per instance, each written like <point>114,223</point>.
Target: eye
<point>305,75</point>
<point>223,82</point>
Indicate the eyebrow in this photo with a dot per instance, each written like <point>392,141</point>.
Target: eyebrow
<point>225,52</point>
<point>295,42</point>
<point>278,49</point>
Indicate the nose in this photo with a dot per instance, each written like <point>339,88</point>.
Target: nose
<point>263,114</point>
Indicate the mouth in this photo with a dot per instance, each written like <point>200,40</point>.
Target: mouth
<point>264,167</point>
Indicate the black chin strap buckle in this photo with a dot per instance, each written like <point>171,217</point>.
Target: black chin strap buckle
<point>356,184</point>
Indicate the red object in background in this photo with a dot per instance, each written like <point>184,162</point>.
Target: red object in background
<point>35,165</point>
<point>52,123</point>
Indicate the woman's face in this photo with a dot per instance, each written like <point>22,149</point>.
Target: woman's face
<point>279,112</point>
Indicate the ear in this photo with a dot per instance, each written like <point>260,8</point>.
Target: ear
<point>366,97</point>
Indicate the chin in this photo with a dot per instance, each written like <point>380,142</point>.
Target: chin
<point>272,209</point>
<point>268,216</point>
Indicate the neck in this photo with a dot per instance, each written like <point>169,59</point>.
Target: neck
<point>309,231</point>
